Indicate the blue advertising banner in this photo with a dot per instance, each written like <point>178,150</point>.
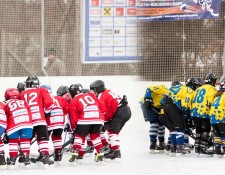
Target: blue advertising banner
<point>155,10</point>
<point>110,34</point>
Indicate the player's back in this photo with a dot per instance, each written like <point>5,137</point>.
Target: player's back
<point>87,108</point>
<point>157,94</point>
<point>18,115</point>
<point>111,102</point>
<point>38,99</point>
<point>63,103</point>
<point>186,98</point>
<point>202,100</point>
<point>3,118</point>
<point>217,110</point>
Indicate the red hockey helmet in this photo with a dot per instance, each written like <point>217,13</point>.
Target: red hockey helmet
<point>11,93</point>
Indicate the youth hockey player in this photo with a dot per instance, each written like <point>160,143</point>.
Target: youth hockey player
<point>176,103</point>
<point>201,103</point>
<point>3,125</point>
<point>39,99</point>
<point>117,114</point>
<point>192,83</point>
<point>151,107</point>
<point>86,118</point>
<point>56,119</point>
<point>217,118</point>
<point>19,129</point>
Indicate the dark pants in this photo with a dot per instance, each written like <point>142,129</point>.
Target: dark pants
<point>41,131</point>
<point>203,128</point>
<point>202,125</point>
<point>218,129</point>
<point>56,132</point>
<point>174,117</point>
<point>121,116</point>
<point>164,119</point>
<point>84,130</point>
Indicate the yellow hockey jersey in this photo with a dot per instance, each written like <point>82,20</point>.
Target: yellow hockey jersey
<point>202,101</point>
<point>217,110</point>
<point>182,96</point>
<point>156,93</point>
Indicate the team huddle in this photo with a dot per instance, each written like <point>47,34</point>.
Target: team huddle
<point>30,113</point>
<point>196,106</point>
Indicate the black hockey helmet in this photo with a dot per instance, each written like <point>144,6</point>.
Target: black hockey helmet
<point>62,90</point>
<point>222,86</point>
<point>75,89</point>
<point>97,86</point>
<point>200,81</point>
<point>86,90</point>
<point>32,82</point>
<point>21,86</point>
<point>175,83</point>
<point>210,78</point>
<point>192,82</point>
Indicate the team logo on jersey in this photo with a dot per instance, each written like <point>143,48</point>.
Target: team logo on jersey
<point>189,90</point>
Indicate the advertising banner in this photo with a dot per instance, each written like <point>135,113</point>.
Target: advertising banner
<point>110,34</point>
<point>155,10</point>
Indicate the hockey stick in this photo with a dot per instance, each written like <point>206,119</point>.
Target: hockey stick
<point>190,133</point>
<point>71,140</point>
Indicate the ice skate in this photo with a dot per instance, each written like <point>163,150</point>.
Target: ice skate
<point>173,149</point>
<point>113,155</point>
<point>155,149</point>
<point>2,161</point>
<point>167,150</point>
<point>20,160</point>
<point>99,156</point>
<point>26,159</point>
<point>181,151</point>
<point>58,155</point>
<point>189,146</point>
<point>162,145</point>
<point>11,162</point>
<point>45,159</point>
<point>217,152</point>
<point>74,157</point>
<point>197,150</point>
<point>204,152</point>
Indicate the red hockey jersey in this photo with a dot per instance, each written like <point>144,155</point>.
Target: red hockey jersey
<point>111,102</point>
<point>86,109</point>
<point>64,104</point>
<point>38,99</point>
<point>57,118</point>
<point>3,118</point>
<point>18,115</point>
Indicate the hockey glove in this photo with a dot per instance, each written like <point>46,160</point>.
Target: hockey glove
<point>148,103</point>
<point>67,128</point>
<point>124,101</point>
<point>5,139</point>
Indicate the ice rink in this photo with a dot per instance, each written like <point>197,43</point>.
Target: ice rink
<point>136,159</point>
